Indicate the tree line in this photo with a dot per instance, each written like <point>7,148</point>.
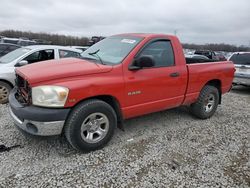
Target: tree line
<point>55,39</point>
<point>216,47</point>
<point>65,40</point>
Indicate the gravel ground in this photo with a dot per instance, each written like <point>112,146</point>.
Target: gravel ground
<point>165,149</point>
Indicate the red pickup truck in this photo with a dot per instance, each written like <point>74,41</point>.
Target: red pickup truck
<point>120,77</point>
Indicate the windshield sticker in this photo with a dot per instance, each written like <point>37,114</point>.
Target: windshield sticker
<point>129,41</point>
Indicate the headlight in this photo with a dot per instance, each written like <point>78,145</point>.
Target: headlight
<point>49,96</point>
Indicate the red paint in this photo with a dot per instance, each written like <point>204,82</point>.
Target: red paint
<point>158,90</point>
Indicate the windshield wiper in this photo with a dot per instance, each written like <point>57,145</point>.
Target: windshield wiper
<point>96,55</point>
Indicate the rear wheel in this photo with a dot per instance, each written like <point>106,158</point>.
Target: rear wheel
<point>4,92</point>
<point>90,125</point>
<point>207,102</point>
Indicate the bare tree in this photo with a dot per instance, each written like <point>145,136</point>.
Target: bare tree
<point>50,38</point>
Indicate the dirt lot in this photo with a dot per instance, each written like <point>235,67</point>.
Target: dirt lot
<point>165,149</point>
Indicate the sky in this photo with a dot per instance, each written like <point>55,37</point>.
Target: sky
<point>193,21</point>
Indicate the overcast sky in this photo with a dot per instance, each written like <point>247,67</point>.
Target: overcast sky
<point>195,21</point>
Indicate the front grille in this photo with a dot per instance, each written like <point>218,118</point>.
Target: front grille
<point>23,94</point>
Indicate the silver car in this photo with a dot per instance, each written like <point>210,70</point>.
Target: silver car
<point>24,56</point>
<point>241,62</point>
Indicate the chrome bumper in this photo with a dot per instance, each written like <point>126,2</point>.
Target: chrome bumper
<point>38,128</point>
<point>241,81</point>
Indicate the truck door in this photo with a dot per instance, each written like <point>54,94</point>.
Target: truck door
<point>155,88</point>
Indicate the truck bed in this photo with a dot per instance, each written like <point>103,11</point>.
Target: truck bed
<point>202,73</point>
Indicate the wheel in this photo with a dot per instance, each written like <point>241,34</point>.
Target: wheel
<point>207,102</point>
<point>90,125</point>
<point>4,92</point>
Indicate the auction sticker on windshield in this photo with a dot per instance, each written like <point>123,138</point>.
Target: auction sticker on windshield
<point>129,41</point>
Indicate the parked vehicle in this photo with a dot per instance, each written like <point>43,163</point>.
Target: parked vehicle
<point>120,77</point>
<point>241,61</point>
<point>207,53</point>
<point>7,47</point>
<point>95,39</point>
<point>28,55</point>
<point>220,56</point>
<point>197,59</point>
<point>82,48</point>
<point>18,41</point>
<point>42,42</point>
<point>197,56</point>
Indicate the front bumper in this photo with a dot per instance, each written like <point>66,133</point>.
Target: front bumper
<point>37,120</point>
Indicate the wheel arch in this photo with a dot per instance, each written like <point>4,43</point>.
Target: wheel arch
<point>113,102</point>
<point>7,82</point>
<point>216,83</point>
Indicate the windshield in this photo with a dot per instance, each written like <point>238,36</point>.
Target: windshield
<point>111,50</point>
<point>8,58</point>
<point>242,59</point>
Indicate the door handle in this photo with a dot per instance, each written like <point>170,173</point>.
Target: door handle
<point>174,74</point>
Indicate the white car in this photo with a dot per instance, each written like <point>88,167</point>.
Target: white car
<point>28,55</point>
<point>82,48</point>
<point>241,62</point>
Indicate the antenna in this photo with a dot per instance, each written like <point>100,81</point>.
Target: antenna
<point>175,32</point>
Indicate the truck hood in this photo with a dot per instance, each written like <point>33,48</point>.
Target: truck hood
<point>58,69</point>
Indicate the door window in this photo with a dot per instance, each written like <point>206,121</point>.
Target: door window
<point>41,55</point>
<point>67,53</point>
<point>3,48</point>
<point>161,52</point>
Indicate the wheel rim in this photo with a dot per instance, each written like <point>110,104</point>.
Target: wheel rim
<point>94,128</point>
<point>209,103</point>
<point>4,93</point>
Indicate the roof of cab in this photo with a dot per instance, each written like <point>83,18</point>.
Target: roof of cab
<point>145,35</point>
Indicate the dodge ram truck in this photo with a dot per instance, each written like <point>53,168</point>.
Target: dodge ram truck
<point>120,77</point>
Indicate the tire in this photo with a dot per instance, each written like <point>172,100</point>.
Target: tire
<point>207,102</point>
<point>90,125</point>
<point>5,89</point>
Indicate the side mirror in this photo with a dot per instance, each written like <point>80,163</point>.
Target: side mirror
<point>22,63</point>
<point>141,62</point>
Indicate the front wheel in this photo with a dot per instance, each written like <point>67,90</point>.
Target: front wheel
<point>207,103</point>
<point>90,125</point>
<point>4,92</point>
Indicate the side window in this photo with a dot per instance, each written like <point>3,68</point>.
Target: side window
<point>213,54</point>
<point>41,55</point>
<point>162,53</point>
<point>67,53</point>
<point>2,49</point>
<point>50,53</point>
<point>13,47</point>
<point>32,58</point>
